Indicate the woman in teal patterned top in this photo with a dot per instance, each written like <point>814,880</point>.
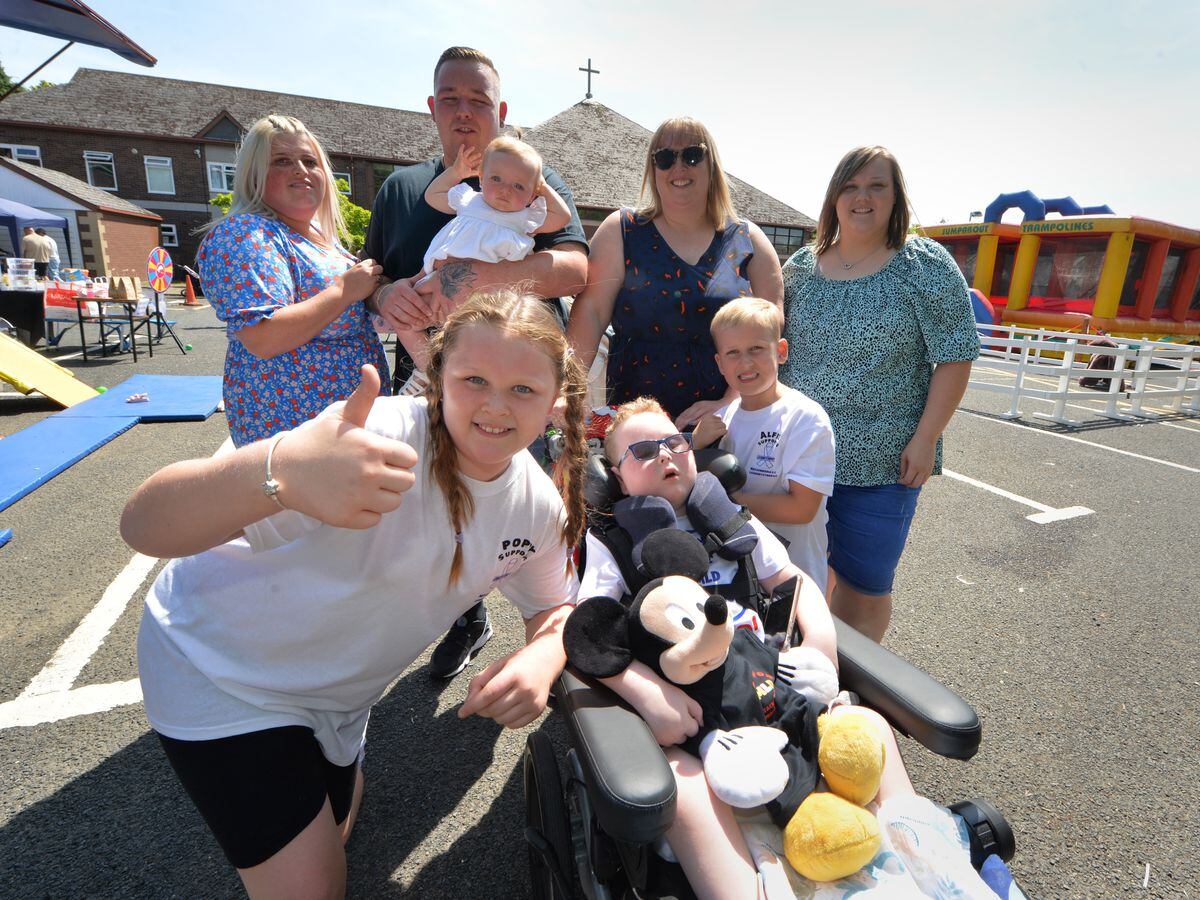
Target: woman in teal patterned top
<point>881,333</point>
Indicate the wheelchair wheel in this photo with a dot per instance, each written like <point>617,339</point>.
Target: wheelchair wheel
<point>988,830</point>
<point>547,827</point>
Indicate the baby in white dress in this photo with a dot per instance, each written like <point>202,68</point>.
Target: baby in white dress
<point>495,223</point>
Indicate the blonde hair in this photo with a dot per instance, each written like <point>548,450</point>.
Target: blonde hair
<point>748,311</point>
<point>514,146</point>
<point>250,179</point>
<point>623,414</point>
<point>527,317</point>
<point>684,129</point>
<point>849,166</point>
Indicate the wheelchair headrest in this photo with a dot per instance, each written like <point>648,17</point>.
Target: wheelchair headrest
<point>601,490</point>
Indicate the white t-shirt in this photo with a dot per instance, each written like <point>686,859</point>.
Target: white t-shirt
<point>790,440</point>
<point>478,231</point>
<point>602,576</point>
<point>302,623</point>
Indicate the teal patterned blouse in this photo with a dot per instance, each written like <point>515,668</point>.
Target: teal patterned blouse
<point>865,350</point>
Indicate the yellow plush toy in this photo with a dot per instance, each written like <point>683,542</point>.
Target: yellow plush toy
<point>831,836</point>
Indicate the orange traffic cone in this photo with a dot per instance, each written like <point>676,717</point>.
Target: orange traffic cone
<point>189,295</point>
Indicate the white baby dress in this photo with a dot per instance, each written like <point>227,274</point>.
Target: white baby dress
<point>482,233</point>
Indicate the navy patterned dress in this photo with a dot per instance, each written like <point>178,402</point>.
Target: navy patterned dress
<point>662,347</point>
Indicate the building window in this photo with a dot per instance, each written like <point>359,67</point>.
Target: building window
<point>22,153</point>
<point>101,171</point>
<point>220,177</point>
<point>170,235</point>
<point>785,240</point>
<point>160,177</point>
<point>342,176</point>
<point>380,173</point>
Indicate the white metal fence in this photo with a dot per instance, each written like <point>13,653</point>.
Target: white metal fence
<point>1048,365</point>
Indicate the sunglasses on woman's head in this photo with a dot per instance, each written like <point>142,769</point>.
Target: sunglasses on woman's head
<point>644,451</point>
<point>665,157</point>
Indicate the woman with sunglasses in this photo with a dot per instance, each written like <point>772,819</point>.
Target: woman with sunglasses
<point>658,274</point>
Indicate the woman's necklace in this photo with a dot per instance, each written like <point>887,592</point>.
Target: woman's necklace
<point>847,266</point>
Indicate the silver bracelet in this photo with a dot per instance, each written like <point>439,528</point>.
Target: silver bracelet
<point>271,486</point>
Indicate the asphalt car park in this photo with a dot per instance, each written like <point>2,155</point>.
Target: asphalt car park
<point>1074,636</point>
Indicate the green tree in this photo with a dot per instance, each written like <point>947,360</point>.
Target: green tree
<point>356,217</point>
<point>6,83</point>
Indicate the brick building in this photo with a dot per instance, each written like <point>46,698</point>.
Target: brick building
<point>105,234</point>
<point>169,146</point>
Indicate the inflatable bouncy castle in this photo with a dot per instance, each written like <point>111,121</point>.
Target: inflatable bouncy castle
<point>1085,270</point>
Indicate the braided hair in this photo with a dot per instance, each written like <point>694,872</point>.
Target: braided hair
<point>525,316</point>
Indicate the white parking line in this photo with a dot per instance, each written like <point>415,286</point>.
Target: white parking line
<point>49,696</point>
<point>1067,437</point>
<point>1045,514</point>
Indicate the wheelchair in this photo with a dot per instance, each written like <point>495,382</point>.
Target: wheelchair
<point>593,835</point>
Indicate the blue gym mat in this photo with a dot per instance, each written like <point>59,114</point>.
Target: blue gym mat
<point>173,398</point>
<point>34,455</point>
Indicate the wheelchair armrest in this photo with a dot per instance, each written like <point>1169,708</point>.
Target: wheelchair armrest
<point>912,700</point>
<point>631,786</point>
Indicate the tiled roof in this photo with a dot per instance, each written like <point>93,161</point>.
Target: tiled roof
<point>80,190</point>
<point>168,107</point>
<point>601,154</point>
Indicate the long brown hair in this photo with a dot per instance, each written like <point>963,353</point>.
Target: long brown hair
<point>527,317</point>
<point>851,164</point>
<point>719,206</point>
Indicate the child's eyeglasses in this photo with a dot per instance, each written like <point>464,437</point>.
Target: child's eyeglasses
<point>644,451</point>
<point>692,156</point>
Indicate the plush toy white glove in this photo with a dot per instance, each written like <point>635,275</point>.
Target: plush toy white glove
<point>744,767</point>
<point>809,672</point>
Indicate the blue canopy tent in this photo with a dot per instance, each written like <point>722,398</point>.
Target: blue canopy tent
<point>16,216</point>
<point>72,21</point>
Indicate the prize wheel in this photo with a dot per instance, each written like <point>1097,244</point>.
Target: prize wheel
<point>159,270</point>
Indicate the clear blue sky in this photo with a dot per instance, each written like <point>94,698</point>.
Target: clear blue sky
<point>1097,100</point>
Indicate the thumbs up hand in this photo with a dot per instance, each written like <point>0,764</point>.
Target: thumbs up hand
<point>333,469</point>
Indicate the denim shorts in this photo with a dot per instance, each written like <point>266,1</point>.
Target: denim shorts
<point>867,529</point>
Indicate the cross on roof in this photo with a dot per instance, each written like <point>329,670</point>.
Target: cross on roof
<point>590,72</point>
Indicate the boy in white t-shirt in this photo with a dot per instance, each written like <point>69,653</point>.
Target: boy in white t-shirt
<point>783,439</point>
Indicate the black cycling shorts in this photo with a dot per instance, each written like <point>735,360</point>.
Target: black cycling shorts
<point>257,791</point>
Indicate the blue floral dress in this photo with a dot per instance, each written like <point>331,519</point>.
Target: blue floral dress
<point>662,347</point>
<point>865,350</point>
<point>252,266</point>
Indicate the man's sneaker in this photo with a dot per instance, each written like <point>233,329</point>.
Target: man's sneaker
<point>462,642</point>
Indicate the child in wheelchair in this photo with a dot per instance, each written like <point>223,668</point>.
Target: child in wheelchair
<point>655,468</point>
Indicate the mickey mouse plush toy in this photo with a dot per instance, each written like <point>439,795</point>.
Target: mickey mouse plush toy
<point>760,740</point>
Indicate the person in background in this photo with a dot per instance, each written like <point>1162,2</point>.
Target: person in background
<point>54,261</point>
<point>290,295</point>
<point>468,113</point>
<point>882,335</point>
<point>36,247</point>
<point>658,275</point>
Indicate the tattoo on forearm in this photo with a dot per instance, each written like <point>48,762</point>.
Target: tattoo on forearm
<point>456,276</point>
